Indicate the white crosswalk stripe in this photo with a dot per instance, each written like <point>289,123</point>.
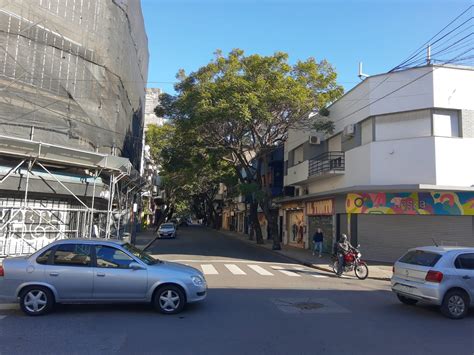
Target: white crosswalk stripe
<point>260,270</point>
<point>310,272</point>
<point>286,272</point>
<point>209,269</point>
<point>235,269</point>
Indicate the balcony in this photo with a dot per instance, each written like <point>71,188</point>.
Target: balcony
<point>329,163</point>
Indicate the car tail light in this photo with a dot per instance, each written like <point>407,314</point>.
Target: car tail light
<point>434,276</point>
<point>2,271</point>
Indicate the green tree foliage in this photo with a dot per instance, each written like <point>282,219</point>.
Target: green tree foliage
<point>244,106</point>
<point>190,172</point>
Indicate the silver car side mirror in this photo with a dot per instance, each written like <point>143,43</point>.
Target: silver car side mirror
<point>135,266</point>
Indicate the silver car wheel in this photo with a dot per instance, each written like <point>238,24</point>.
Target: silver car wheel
<point>456,305</point>
<point>169,300</point>
<point>35,301</point>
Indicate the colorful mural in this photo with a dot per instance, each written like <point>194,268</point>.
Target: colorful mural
<point>427,203</point>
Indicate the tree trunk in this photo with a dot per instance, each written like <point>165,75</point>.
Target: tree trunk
<point>161,219</point>
<point>266,205</point>
<point>255,222</point>
<point>272,219</point>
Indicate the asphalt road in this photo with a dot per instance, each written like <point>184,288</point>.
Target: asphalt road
<point>258,303</point>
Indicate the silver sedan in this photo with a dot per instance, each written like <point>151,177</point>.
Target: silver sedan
<point>98,271</point>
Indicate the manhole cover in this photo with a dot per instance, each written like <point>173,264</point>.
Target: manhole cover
<point>308,306</point>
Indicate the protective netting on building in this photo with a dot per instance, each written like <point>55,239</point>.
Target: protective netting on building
<point>74,70</point>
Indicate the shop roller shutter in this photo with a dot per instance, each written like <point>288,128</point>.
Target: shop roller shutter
<point>387,237</point>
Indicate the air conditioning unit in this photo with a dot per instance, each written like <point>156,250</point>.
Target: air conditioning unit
<point>349,130</point>
<point>314,140</point>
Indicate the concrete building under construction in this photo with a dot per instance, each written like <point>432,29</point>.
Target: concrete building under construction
<point>72,95</point>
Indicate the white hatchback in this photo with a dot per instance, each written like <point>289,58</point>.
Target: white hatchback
<point>443,276</point>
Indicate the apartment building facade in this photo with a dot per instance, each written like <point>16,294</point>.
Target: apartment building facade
<point>396,173</point>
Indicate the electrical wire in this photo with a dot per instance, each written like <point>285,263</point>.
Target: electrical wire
<point>401,87</point>
<point>423,46</point>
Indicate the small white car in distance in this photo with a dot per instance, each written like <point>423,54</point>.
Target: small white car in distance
<point>167,230</point>
<point>443,276</point>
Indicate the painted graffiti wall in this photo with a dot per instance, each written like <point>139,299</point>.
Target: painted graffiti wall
<point>414,203</point>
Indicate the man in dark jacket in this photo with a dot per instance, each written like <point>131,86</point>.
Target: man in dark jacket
<point>318,237</point>
<point>343,247</point>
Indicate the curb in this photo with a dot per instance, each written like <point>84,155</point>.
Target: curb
<point>313,266</point>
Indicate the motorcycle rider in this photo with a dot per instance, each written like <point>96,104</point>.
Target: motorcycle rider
<point>343,247</point>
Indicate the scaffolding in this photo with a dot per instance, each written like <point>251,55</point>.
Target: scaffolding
<point>28,223</point>
<point>72,92</point>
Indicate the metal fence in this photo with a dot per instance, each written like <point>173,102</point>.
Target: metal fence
<point>27,228</point>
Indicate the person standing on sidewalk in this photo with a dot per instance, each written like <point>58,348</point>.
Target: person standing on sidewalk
<point>318,238</point>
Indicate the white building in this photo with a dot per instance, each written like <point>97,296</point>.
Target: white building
<point>396,173</point>
<point>152,100</point>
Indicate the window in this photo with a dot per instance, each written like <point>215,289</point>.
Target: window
<point>108,257</point>
<point>420,257</point>
<point>403,125</point>
<point>367,131</point>
<point>298,155</point>
<point>145,257</point>
<point>465,261</point>
<point>44,257</point>
<point>445,123</point>
<point>72,255</point>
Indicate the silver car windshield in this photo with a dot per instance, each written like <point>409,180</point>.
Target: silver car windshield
<point>167,226</point>
<point>140,254</point>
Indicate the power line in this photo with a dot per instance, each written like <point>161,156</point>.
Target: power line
<point>401,87</point>
<point>423,46</point>
<point>410,61</point>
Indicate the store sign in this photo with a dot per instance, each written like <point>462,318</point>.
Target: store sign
<point>321,207</point>
<point>421,203</point>
<point>292,206</point>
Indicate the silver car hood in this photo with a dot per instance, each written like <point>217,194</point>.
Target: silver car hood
<point>170,266</point>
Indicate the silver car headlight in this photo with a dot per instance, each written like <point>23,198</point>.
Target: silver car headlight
<point>197,280</point>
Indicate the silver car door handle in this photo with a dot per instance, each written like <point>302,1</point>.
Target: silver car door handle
<point>53,273</point>
<point>99,274</point>
<point>466,277</point>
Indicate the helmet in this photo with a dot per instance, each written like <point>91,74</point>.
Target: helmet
<point>343,238</point>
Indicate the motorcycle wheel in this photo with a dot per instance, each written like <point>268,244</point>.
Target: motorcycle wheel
<point>361,271</point>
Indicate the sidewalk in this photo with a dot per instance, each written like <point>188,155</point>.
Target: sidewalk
<point>377,271</point>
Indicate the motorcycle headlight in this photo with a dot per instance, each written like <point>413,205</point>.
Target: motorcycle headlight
<point>359,255</point>
<point>197,280</point>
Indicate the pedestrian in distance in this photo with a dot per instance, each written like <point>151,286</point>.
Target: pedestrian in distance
<point>318,238</point>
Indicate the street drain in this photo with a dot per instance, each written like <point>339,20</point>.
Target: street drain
<point>308,306</point>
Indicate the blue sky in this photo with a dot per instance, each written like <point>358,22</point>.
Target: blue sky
<point>380,33</point>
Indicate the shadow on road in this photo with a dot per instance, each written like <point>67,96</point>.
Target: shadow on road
<point>200,241</point>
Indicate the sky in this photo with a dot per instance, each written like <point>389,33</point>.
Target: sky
<point>184,34</point>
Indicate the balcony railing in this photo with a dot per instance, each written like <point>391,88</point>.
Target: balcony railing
<point>327,163</point>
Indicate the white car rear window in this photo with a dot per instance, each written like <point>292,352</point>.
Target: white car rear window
<point>420,257</point>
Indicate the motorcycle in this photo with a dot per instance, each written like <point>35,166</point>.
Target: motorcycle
<point>352,262</point>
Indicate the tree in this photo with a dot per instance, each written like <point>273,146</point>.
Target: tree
<point>190,172</point>
<point>245,105</point>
